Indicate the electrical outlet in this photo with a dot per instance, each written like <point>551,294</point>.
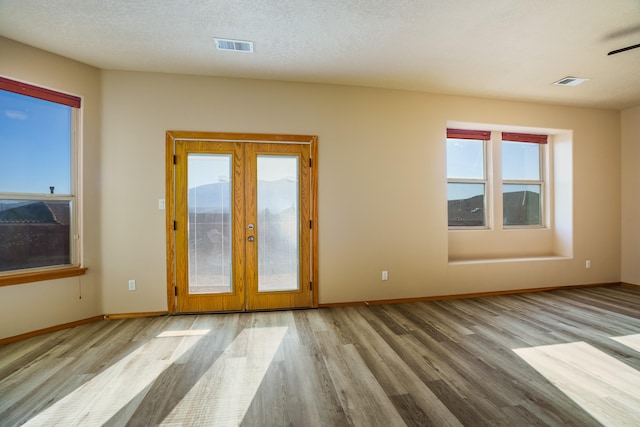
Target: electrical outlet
<point>587,264</point>
<point>385,275</point>
<point>132,285</point>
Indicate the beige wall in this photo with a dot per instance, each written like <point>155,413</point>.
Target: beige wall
<point>631,195</point>
<point>29,307</point>
<point>382,186</point>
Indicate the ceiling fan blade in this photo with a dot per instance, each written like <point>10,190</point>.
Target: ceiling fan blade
<point>624,49</point>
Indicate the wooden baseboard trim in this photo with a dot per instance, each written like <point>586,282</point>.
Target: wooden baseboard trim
<point>57,328</point>
<point>50,329</point>
<point>116,316</point>
<point>629,285</point>
<point>463,296</point>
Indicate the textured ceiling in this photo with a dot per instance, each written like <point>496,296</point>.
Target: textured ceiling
<point>509,49</point>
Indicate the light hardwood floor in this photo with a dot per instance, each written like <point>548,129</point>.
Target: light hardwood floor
<point>565,357</point>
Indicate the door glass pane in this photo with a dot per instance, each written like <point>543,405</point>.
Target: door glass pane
<point>466,204</point>
<point>278,223</point>
<point>521,204</point>
<point>209,204</point>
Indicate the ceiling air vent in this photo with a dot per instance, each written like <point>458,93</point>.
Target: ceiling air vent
<point>234,45</point>
<point>570,81</point>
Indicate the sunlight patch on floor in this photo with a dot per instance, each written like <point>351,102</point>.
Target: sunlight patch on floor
<point>187,333</point>
<point>100,398</point>
<point>631,341</point>
<point>224,393</point>
<point>606,388</point>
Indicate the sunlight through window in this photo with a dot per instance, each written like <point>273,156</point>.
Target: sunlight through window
<point>605,387</point>
<point>631,341</point>
<point>185,333</point>
<point>224,393</point>
<point>99,399</point>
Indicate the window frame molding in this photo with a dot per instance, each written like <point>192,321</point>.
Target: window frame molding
<point>39,276</point>
<point>75,267</point>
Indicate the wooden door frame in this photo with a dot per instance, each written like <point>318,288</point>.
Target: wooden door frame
<point>172,136</point>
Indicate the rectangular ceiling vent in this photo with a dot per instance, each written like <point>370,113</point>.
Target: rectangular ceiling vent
<point>234,45</point>
<point>570,81</point>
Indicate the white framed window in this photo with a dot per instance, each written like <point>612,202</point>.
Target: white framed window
<point>523,189</point>
<point>38,179</point>
<point>495,178</point>
<point>467,178</point>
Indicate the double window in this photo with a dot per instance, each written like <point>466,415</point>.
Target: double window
<point>495,178</point>
<point>38,204</point>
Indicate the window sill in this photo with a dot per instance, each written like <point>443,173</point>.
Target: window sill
<point>502,260</point>
<point>16,279</point>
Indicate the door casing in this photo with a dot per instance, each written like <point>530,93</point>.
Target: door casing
<point>170,201</point>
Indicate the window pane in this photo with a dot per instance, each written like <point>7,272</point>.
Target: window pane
<point>278,224</point>
<point>521,204</point>
<point>34,234</point>
<point>209,204</point>
<point>466,204</point>
<point>35,145</point>
<point>520,161</point>
<point>465,159</point>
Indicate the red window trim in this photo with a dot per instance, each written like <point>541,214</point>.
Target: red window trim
<point>39,92</point>
<point>483,135</point>
<point>525,137</point>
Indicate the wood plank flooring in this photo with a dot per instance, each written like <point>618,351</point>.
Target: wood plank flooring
<point>557,358</point>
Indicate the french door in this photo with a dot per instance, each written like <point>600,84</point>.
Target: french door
<point>242,232</point>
